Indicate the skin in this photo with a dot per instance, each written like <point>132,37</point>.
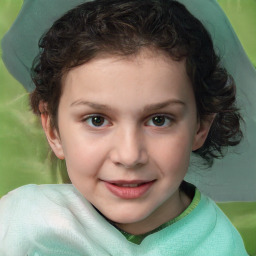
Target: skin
<point>128,144</point>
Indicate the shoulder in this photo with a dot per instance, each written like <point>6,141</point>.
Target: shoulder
<point>32,196</point>
<point>24,200</point>
<point>219,228</point>
<point>21,201</point>
<point>34,211</point>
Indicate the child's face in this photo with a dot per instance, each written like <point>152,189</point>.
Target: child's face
<point>127,127</point>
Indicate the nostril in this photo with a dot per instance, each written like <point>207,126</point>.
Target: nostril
<point>133,166</point>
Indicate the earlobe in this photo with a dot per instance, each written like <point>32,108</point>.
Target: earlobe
<point>52,135</point>
<point>203,129</point>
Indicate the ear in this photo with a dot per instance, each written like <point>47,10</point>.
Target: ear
<point>52,134</point>
<point>203,129</point>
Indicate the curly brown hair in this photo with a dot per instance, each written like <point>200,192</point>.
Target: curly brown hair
<point>125,27</point>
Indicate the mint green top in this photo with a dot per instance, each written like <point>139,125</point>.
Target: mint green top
<point>57,220</point>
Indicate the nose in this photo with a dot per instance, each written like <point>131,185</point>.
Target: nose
<point>129,149</point>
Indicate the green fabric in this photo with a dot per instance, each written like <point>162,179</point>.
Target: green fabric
<point>23,147</point>
<point>57,220</point>
<point>243,217</point>
<point>243,19</point>
<point>137,239</point>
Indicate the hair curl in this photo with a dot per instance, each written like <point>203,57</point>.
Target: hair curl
<point>124,27</point>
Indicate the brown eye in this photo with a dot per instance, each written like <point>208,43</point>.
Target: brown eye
<point>96,121</point>
<point>160,120</point>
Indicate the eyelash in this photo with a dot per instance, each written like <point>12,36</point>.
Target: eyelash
<point>89,118</point>
<point>166,118</point>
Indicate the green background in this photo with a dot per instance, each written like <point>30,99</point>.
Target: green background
<point>24,153</point>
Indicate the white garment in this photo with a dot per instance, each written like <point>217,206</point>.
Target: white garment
<point>56,220</point>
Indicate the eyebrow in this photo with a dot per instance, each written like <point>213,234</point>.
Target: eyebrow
<point>149,107</point>
<point>161,105</point>
<point>90,104</point>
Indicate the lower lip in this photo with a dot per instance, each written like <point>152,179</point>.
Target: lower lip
<point>129,192</point>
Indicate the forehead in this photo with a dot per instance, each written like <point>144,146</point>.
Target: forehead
<point>147,76</point>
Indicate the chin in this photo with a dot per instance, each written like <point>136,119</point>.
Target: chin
<point>127,217</point>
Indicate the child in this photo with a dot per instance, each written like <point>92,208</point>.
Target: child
<point>126,90</point>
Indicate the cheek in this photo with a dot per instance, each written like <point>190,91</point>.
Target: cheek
<point>83,155</point>
<point>173,153</point>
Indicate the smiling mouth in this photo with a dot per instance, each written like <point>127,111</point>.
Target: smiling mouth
<point>129,190</point>
<point>129,185</point>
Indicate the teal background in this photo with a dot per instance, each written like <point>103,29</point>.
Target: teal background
<point>24,153</point>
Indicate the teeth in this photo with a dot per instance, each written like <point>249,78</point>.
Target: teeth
<point>128,185</point>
